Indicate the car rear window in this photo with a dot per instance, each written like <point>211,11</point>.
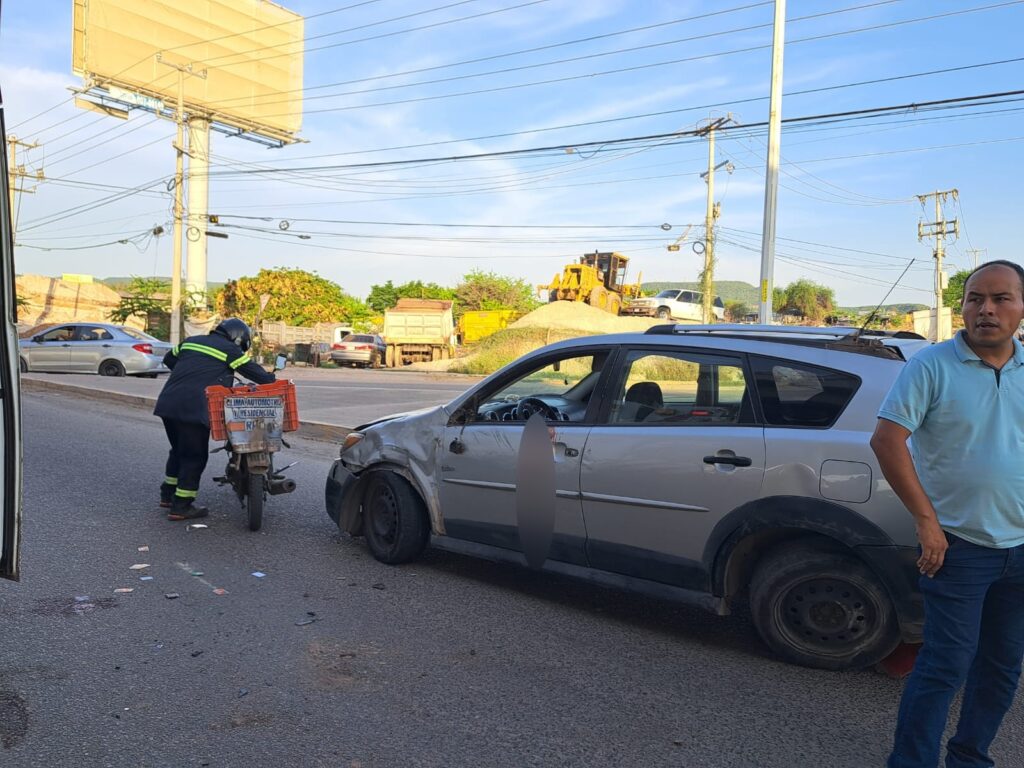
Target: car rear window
<point>358,337</point>
<point>136,334</point>
<point>799,395</point>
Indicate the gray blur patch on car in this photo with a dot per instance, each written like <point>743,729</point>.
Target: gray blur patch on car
<point>535,491</point>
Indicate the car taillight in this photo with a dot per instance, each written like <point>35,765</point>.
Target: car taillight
<point>364,346</point>
<point>146,349</point>
<point>337,346</point>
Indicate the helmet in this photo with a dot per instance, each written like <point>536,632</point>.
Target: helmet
<point>236,331</point>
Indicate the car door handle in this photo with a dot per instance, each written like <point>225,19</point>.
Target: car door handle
<point>65,345</point>
<point>108,345</point>
<point>736,461</point>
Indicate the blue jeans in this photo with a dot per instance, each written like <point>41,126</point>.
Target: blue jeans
<point>973,637</point>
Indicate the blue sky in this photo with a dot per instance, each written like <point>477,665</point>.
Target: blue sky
<point>847,212</point>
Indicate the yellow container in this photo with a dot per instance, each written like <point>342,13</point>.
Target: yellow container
<point>477,325</point>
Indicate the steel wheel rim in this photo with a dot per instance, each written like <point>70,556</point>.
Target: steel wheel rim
<point>827,616</point>
<point>384,515</point>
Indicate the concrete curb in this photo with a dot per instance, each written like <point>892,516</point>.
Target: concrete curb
<point>310,430</point>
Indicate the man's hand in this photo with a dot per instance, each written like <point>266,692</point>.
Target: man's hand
<point>933,547</point>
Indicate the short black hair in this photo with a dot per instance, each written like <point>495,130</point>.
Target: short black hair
<point>999,263</point>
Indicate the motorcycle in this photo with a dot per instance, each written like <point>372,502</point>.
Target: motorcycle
<point>251,419</point>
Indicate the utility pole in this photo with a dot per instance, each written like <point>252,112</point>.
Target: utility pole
<point>771,176</point>
<point>974,252</point>
<point>15,172</point>
<point>940,229</point>
<point>714,210</point>
<point>179,182</point>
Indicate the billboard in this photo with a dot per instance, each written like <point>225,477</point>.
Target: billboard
<point>251,51</point>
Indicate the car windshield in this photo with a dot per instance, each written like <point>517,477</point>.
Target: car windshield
<point>139,335</point>
<point>667,295</point>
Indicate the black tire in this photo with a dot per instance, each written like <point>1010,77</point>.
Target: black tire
<point>111,368</point>
<point>662,313</point>
<point>394,519</point>
<point>254,500</point>
<point>822,607</point>
<point>22,365</point>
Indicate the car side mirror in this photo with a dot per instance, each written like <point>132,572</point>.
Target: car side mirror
<point>280,362</point>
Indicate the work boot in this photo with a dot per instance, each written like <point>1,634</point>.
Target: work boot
<point>167,494</point>
<point>185,509</point>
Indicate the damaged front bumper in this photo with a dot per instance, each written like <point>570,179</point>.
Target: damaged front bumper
<point>338,494</point>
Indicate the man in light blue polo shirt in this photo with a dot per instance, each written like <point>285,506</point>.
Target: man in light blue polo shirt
<point>961,404</point>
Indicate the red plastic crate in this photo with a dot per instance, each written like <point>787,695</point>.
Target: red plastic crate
<point>215,403</point>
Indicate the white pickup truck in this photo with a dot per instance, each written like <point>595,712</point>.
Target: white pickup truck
<point>674,304</point>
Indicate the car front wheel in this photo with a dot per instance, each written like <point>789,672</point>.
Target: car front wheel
<point>662,313</point>
<point>395,519</point>
<point>822,608</point>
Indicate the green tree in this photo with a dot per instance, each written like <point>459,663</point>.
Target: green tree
<point>143,296</point>
<point>736,310</point>
<point>810,299</point>
<point>953,293</point>
<point>386,296</point>
<point>481,290</point>
<point>297,297</point>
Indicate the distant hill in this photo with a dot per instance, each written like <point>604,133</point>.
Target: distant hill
<point>729,290</point>
<point>121,283</point>
<point>902,308</point>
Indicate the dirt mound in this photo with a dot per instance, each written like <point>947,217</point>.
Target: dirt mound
<point>51,300</point>
<point>575,315</point>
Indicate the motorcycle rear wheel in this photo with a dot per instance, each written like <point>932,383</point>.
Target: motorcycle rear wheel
<point>254,500</point>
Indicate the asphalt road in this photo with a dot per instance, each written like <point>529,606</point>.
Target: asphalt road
<point>445,662</point>
<point>340,396</point>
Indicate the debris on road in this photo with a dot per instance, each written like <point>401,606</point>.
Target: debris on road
<point>172,595</point>
<point>195,526</point>
<point>124,590</point>
<point>139,566</point>
<point>197,573</point>
<point>196,654</point>
<point>145,578</point>
<point>220,591</point>
<point>243,692</point>
<point>379,585</point>
<point>144,548</point>
<point>305,622</point>
<point>258,574</point>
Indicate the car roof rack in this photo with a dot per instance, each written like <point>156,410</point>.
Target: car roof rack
<point>841,337</point>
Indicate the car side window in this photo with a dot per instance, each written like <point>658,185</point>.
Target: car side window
<point>64,333</point>
<point>665,388</point>
<point>800,395</point>
<point>560,390</point>
<point>86,333</point>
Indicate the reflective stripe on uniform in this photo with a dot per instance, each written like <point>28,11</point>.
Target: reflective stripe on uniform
<point>170,481</point>
<point>175,350</point>
<point>235,364</point>
<point>183,494</point>
<point>203,349</point>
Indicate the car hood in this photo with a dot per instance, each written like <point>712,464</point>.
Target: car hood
<point>409,440</point>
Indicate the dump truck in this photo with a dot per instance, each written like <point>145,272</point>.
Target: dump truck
<point>479,324</point>
<point>599,279</point>
<point>418,330</point>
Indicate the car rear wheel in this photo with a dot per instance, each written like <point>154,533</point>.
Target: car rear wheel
<point>111,368</point>
<point>822,608</point>
<point>394,519</point>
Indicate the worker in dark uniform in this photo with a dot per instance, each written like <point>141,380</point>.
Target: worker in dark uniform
<point>197,363</point>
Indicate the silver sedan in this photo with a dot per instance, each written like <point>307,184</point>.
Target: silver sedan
<point>109,350</point>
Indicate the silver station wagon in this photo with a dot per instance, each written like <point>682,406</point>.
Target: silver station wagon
<point>708,464</point>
